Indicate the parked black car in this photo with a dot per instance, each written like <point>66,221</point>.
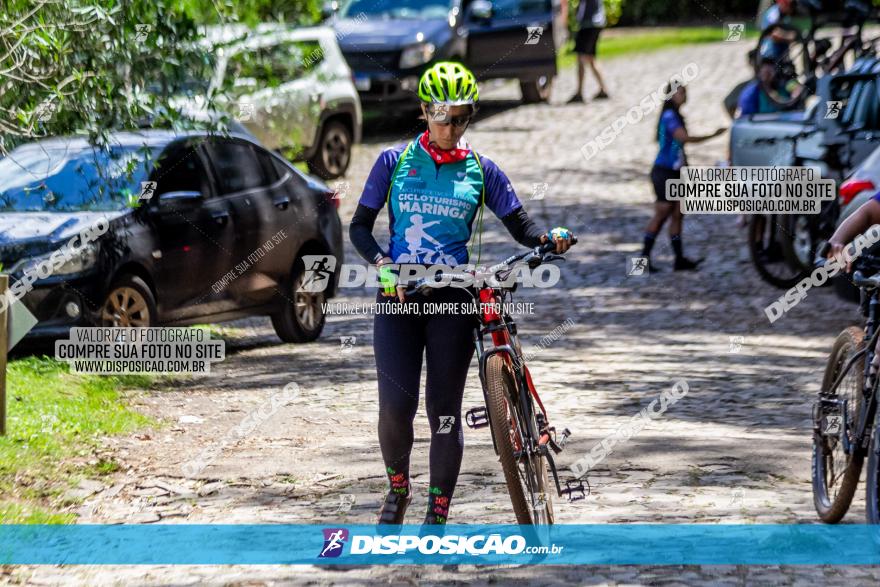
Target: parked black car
<point>388,44</point>
<point>222,236</point>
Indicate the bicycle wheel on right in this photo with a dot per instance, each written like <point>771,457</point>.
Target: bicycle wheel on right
<point>526,475</point>
<point>835,473</point>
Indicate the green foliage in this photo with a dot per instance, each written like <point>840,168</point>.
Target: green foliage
<point>611,46</point>
<point>55,423</point>
<point>89,66</point>
<point>612,12</point>
<point>252,12</point>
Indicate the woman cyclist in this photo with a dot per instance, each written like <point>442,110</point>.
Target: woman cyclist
<point>672,135</point>
<point>435,188</point>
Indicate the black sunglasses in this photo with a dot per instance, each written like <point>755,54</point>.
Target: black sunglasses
<point>460,121</point>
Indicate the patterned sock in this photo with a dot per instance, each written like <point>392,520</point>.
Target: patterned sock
<point>650,237</point>
<point>676,245</point>
<point>399,481</point>
<point>438,506</point>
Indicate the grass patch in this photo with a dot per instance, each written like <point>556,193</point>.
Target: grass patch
<point>55,423</point>
<point>617,45</point>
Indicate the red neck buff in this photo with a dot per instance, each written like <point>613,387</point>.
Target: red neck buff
<point>441,156</point>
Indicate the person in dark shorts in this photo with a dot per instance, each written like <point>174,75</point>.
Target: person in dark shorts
<point>671,135</point>
<point>591,20</point>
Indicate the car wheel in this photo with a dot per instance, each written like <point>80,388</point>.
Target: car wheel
<point>538,90</point>
<point>301,318</point>
<point>333,154</point>
<point>129,303</point>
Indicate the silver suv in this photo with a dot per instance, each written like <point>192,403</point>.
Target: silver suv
<point>292,89</point>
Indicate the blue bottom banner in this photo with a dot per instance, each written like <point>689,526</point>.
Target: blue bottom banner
<point>606,544</point>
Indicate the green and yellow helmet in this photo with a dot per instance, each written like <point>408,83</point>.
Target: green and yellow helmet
<point>449,83</point>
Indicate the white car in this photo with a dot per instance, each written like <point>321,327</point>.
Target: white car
<point>292,89</point>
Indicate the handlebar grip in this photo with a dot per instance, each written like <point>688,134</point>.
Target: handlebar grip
<point>551,246</point>
<point>859,280</point>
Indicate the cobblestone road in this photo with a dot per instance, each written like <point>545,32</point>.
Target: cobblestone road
<point>736,449</point>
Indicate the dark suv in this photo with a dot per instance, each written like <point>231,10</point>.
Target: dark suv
<point>222,236</point>
<point>389,44</point>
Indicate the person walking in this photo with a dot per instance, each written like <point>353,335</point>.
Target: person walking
<point>435,189</point>
<point>672,135</point>
<point>590,17</point>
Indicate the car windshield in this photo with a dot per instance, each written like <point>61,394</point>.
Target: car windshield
<point>58,179</point>
<point>188,81</point>
<point>404,9</point>
<point>251,69</point>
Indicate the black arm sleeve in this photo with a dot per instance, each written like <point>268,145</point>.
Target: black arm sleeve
<point>521,227</point>
<point>361,233</point>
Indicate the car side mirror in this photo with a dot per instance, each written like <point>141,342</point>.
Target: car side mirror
<point>181,198</point>
<point>481,10</point>
<point>328,10</point>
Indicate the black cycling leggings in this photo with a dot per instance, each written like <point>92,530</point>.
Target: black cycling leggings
<point>447,341</point>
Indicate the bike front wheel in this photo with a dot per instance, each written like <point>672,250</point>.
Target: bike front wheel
<point>835,473</point>
<point>525,474</point>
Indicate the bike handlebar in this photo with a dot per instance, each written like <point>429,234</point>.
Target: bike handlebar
<point>537,256</point>
<point>858,277</point>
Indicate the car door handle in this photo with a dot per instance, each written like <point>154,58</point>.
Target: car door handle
<point>282,203</point>
<point>220,217</point>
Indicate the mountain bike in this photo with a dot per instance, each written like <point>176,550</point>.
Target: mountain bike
<point>844,427</point>
<point>809,56</point>
<point>522,435</point>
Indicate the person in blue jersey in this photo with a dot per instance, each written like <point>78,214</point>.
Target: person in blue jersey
<point>755,99</point>
<point>672,135</point>
<point>435,188</point>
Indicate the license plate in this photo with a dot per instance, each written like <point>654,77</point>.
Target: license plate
<point>362,83</point>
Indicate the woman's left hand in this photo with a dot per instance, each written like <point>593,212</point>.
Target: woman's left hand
<point>561,236</point>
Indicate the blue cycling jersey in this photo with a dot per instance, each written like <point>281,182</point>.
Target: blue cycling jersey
<point>671,155</point>
<point>754,100</point>
<point>432,206</point>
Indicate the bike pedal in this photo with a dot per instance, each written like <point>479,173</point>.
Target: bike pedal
<point>575,490</point>
<point>565,434</point>
<point>477,417</point>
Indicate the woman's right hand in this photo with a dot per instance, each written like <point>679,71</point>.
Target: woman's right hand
<point>388,279</point>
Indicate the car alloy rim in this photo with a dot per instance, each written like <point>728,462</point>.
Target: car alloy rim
<point>306,306</point>
<point>336,151</point>
<point>125,306</point>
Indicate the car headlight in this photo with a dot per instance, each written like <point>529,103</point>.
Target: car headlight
<point>63,261</point>
<point>416,55</point>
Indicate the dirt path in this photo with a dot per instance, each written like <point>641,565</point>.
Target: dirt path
<point>736,449</point>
